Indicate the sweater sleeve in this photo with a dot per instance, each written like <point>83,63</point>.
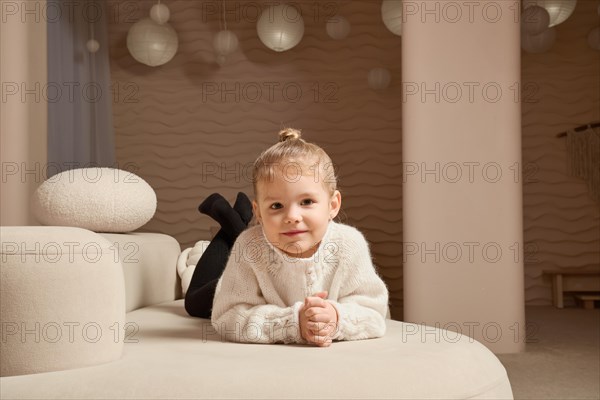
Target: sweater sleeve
<point>240,312</point>
<point>363,299</point>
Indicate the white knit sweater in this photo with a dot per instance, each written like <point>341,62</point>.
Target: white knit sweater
<point>260,293</point>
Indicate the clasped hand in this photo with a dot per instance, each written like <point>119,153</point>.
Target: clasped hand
<point>318,320</point>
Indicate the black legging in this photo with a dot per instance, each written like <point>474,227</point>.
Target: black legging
<point>200,294</point>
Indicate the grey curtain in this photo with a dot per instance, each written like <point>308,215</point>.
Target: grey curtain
<point>80,128</point>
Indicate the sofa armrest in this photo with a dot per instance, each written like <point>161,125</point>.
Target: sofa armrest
<point>149,265</point>
<point>62,299</point>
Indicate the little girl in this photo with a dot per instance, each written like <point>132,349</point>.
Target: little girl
<point>297,277</point>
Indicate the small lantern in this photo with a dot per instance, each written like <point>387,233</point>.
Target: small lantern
<point>537,44</point>
<point>92,45</point>
<point>224,43</point>
<point>337,27</point>
<point>535,20</point>
<point>593,38</point>
<point>160,13</point>
<point>379,78</point>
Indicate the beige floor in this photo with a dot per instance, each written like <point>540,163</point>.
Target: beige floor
<point>562,360</point>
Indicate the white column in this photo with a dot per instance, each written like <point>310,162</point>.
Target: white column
<point>23,111</point>
<point>462,189</point>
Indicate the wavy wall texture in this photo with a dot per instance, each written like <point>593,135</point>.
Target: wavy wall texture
<point>191,128</point>
<point>561,221</point>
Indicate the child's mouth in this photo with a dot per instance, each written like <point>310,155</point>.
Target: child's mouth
<point>293,233</point>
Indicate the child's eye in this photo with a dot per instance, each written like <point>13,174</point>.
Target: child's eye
<point>275,206</point>
<point>307,202</point>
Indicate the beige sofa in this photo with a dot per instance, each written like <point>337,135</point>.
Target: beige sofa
<point>106,320</point>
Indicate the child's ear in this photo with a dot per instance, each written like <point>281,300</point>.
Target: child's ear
<point>335,204</point>
<point>256,210</point>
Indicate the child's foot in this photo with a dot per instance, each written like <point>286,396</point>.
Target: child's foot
<point>220,210</point>
<point>243,206</point>
<point>207,205</point>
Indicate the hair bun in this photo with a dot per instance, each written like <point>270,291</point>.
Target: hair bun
<point>289,134</point>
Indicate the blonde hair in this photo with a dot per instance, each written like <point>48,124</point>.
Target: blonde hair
<point>292,150</point>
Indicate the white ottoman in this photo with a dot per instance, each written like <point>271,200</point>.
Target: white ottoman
<point>62,300</point>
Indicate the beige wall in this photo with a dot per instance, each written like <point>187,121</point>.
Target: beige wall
<point>188,141</point>
<point>23,114</point>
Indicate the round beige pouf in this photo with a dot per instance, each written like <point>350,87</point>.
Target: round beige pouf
<point>62,300</point>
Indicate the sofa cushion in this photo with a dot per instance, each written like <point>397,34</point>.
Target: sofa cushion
<point>169,354</point>
<point>98,199</point>
<point>149,266</point>
<point>187,261</point>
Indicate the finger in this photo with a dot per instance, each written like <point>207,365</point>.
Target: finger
<point>317,326</point>
<point>315,302</point>
<point>321,318</point>
<point>322,329</point>
<point>310,338</point>
<point>320,340</point>
<point>322,294</point>
<point>312,312</point>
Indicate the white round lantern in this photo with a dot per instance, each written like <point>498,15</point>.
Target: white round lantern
<point>160,13</point>
<point>559,10</point>
<point>379,78</point>
<point>391,13</point>
<point>337,27</point>
<point>280,27</point>
<point>593,38</point>
<point>92,45</point>
<point>151,43</point>
<point>535,20</point>
<point>537,44</point>
<point>224,43</point>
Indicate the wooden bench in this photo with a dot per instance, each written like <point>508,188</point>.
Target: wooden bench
<point>588,300</point>
<point>573,280</point>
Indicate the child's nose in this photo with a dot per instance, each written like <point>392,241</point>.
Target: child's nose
<point>293,214</point>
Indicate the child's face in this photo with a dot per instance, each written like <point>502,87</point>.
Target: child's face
<point>294,212</point>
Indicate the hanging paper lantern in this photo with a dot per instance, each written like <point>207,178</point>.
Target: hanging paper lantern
<point>160,13</point>
<point>559,10</point>
<point>224,43</point>
<point>391,13</point>
<point>92,45</point>
<point>535,20</point>
<point>379,78</point>
<point>593,38</point>
<point>280,27</point>
<point>337,27</point>
<point>537,44</point>
<point>151,43</point>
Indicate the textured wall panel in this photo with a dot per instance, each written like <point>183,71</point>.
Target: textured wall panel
<point>561,91</point>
